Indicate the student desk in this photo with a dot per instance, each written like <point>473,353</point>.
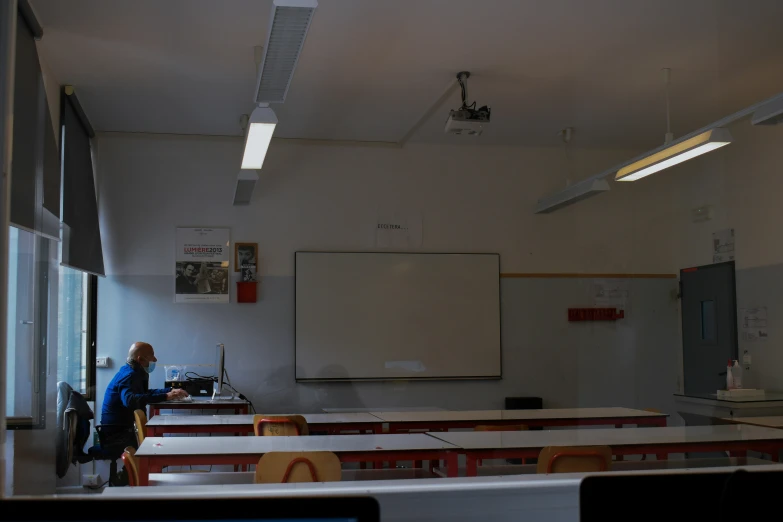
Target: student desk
<point>332,423</point>
<point>767,422</point>
<point>157,452</point>
<point>660,441</point>
<point>240,406</point>
<point>445,420</point>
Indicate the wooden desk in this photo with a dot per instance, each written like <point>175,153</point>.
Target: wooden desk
<point>660,441</point>
<point>445,420</point>
<point>766,422</point>
<point>240,406</point>
<point>333,423</point>
<point>157,452</point>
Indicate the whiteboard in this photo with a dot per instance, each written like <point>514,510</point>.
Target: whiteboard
<point>397,316</point>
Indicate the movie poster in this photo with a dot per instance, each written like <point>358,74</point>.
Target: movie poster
<point>202,261</point>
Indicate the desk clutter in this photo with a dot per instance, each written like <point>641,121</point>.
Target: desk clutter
<point>384,445</point>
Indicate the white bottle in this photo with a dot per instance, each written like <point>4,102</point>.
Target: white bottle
<point>736,372</point>
<point>729,377</point>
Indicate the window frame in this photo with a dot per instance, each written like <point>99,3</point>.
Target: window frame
<point>91,349</point>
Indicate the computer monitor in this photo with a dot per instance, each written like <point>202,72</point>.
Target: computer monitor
<point>220,371</point>
<point>155,509</point>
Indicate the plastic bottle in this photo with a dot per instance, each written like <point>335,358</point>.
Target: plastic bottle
<point>736,372</point>
<point>729,376</point>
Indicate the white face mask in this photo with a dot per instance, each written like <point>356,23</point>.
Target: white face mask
<point>150,368</point>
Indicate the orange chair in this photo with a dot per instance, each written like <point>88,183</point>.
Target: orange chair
<point>298,466</point>
<point>140,423</point>
<point>129,461</point>
<point>280,425</point>
<point>574,459</point>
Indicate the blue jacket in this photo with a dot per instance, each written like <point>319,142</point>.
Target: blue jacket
<point>129,391</point>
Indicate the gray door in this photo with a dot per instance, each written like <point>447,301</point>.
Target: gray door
<point>709,325</point>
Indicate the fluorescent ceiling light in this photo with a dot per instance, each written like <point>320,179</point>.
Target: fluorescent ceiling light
<point>288,26</point>
<point>259,133</point>
<point>769,114</point>
<point>674,154</point>
<point>572,194</point>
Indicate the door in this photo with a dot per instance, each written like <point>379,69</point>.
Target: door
<point>709,325</point>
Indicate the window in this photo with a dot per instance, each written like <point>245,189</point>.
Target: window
<point>75,345</point>
<point>708,325</point>
<point>28,289</point>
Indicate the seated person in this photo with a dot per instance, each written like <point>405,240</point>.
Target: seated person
<point>129,391</point>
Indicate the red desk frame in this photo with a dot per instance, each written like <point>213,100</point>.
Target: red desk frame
<point>156,463</point>
<point>434,426</point>
<point>239,408</point>
<point>735,448</point>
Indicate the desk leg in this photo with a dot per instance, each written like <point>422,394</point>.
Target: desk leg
<point>153,411</point>
<point>471,469</point>
<point>144,472</point>
<point>618,457</point>
<point>662,456</point>
<point>738,453</point>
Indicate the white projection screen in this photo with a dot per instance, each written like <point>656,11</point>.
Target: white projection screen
<point>377,316</point>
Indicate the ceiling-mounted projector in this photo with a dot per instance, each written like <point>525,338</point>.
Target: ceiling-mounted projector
<point>467,120</point>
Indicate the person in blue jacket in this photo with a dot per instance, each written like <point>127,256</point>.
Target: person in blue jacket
<point>129,391</point>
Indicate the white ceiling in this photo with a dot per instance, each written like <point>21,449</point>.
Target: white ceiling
<point>371,68</point>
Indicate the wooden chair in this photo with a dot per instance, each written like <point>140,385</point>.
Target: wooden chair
<point>574,459</point>
<point>298,466</point>
<point>280,425</point>
<point>140,421</point>
<point>131,466</point>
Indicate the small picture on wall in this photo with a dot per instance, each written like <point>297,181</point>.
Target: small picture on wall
<point>245,256</point>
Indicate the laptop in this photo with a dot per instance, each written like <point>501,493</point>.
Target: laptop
<point>293,509</point>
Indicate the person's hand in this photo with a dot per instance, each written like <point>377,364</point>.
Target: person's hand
<point>176,394</point>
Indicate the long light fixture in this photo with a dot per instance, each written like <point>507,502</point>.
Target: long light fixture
<point>675,153</point>
<point>261,126</point>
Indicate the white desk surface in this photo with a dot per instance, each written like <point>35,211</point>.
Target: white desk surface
<point>247,420</point>
<point>370,410</point>
<point>475,440</point>
<point>193,446</point>
<point>226,402</point>
<point>521,415</point>
<point>768,422</point>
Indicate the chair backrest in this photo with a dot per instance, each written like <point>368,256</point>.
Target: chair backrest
<point>140,420</point>
<point>129,461</point>
<point>280,425</point>
<point>513,427</point>
<point>574,459</point>
<point>298,466</point>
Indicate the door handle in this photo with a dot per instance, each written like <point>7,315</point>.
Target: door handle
<point>26,322</point>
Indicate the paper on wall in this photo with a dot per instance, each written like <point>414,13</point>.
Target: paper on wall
<point>723,246</point>
<point>610,293</point>
<point>201,265</point>
<point>753,324</point>
<point>398,230</point>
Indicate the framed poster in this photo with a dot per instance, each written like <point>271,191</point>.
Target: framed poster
<point>201,265</point>
<point>245,260</point>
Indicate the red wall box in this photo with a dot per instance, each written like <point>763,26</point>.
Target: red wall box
<point>247,291</point>
<point>595,314</point>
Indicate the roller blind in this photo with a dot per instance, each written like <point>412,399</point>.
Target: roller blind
<point>35,169</point>
<point>81,248</point>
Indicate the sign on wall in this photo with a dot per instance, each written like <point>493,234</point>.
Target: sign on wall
<point>202,261</point>
<point>398,230</point>
<point>723,246</point>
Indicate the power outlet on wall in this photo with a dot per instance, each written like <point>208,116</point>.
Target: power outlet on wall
<point>102,362</point>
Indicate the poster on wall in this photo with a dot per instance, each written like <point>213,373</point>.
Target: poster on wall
<point>753,323</point>
<point>723,246</point>
<point>398,230</point>
<point>202,261</point>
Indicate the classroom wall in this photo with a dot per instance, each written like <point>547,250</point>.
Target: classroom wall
<point>743,184</point>
<point>326,197</point>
